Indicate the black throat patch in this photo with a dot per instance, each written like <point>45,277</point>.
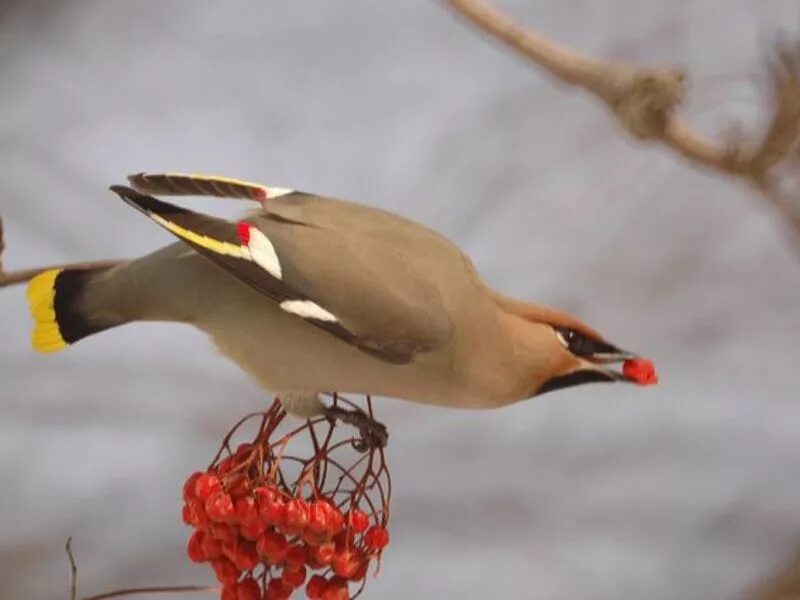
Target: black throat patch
<point>572,379</point>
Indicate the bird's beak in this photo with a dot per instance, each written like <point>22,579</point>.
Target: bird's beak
<point>634,369</point>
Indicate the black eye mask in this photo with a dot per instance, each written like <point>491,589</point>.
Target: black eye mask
<point>584,346</point>
<point>572,379</point>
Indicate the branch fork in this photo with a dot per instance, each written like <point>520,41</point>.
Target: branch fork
<point>645,102</point>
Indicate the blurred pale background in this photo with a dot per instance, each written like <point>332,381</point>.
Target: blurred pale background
<point>688,491</point>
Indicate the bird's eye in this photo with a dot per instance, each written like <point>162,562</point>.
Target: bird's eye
<point>576,342</point>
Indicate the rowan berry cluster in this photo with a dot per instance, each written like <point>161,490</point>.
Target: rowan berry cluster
<point>267,537</point>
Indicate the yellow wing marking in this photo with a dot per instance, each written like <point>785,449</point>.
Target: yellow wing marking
<point>204,241</point>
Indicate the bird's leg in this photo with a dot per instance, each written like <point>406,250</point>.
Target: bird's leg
<point>307,405</point>
<point>373,433</point>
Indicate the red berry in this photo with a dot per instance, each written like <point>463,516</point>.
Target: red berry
<point>296,557</point>
<point>357,520</point>
<point>336,593</point>
<point>273,512</point>
<point>265,494</point>
<point>377,538</point>
<point>247,559</point>
<point>188,486</point>
<point>345,540</point>
<point>314,539</point>
<point>228,592</point>
<point>223,533</point>
<point>245,556</point>
<point>196,514</point>
<point>220,508</point>
<point>321,555</point>
<point>345,563</point>
<point>186,514</point>
<point>335,520</point>
<point>277,594</point>
<point>226,465</point>
<point>194,548</point>
<point>336,590</point>
<point>272,546</point>
<point>212,548</point>
<point>248,589</point>
<point>294,577</point>
<point>246,511</point>
<point>239,487</point>
<point>225,570</point>
<point>361,571</point>
<point>243,452</point>
<point>206,486</point>
<point>640,370</point>
<point>278,588</point>
<point>318,516</point>
<point>316,587</point>
<point>252,531</point>
<point>297,513</point>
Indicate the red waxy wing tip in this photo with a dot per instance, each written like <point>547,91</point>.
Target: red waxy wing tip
<point>641,371</point>
<point>243,229</point>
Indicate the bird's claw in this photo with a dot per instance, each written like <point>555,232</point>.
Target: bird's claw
<point>373,434</point>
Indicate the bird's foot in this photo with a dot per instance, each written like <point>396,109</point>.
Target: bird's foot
<point>373,433</point>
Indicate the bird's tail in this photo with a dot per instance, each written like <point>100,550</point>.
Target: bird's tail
<point>56,302</point>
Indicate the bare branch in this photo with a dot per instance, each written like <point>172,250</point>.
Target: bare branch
<point>562,62</point>
<point>73,566</point>
<point>23,276</point>
<point>2,246</point>
<point>645,101</point>
<point>129,591</point>
<point>642,98</point>
<point>783,585</point>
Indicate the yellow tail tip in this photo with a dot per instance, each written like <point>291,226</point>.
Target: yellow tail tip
<point>46,335</point>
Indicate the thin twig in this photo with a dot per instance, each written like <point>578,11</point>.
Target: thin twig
<point>645,102</point>
<point>73,566</point>
<point>2,246</point>
<point>16,277</point>
<point>155,590</point>
<point>23,276</point>
<point>73,586</point>
<point>784,584</point>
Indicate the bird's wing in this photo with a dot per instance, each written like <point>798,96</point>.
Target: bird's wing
<point>182,184</point>
<point>358,286</point>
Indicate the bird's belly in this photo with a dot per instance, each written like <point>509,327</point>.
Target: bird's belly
<point>283,353</point>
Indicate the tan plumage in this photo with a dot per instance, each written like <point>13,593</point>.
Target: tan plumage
<point>311,294</point>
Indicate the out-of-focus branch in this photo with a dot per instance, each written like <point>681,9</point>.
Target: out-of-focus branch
<point>73,566</point>
<point>22,276</point>
<point>178,589</point>
<point>783,585</point>
<point>645,100</point>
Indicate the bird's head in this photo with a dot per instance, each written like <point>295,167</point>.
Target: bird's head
<point>582,356</point>
<point>567,352</point>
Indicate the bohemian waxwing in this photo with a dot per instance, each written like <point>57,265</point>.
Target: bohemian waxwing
<point>310,294</point>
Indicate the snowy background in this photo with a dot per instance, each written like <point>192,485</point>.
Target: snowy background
<point>688,491</point>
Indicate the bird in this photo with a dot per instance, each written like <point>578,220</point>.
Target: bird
<point>311,294</point>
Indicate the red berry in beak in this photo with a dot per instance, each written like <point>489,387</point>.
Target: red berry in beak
<point>640,370</point>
